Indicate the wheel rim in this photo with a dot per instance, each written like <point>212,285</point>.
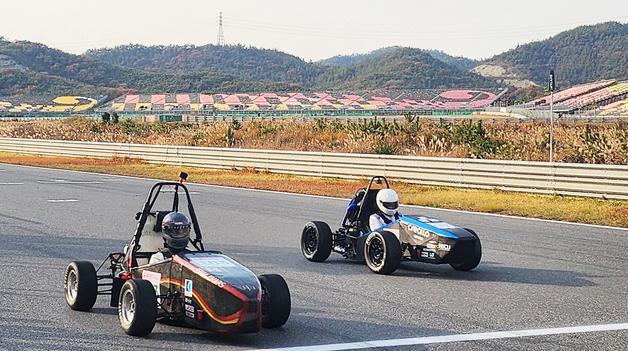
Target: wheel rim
<point>127,310</point>
<point>376,252</point>
<point>71,289</point>
<point>310,241</point>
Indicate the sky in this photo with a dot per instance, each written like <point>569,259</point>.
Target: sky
<point>312,30</point>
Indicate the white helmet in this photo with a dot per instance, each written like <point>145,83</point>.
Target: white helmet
<point>387,201</point>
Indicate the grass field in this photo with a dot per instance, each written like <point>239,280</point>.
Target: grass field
<point>582,210</point>
<point>529,141</point>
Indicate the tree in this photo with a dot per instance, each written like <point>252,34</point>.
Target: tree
<point>105,117</point>
<point>115,118</point>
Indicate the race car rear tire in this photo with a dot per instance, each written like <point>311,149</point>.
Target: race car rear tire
<point>316,241</point>
<point>382,252</point>
<point>276,304</point>
<point>137,307</point>
<point>472,260</point>
<point>80,285</point>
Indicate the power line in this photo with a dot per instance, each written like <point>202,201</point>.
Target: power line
<point>276,27</point>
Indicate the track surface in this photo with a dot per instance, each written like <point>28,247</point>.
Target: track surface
<point>533,275</point>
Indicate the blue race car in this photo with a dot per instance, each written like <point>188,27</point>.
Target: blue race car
<point>410,238</point>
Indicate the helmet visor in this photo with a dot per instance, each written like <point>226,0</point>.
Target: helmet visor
<point>391,205</point>
<point>177,230</point>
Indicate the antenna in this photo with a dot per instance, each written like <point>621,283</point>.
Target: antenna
<point>221,34</point>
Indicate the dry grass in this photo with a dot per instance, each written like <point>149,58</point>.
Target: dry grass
<point>583,210</point>
<point>575,142</point>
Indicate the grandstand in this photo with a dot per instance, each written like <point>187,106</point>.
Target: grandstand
<point>319,101</point>
<point>61,104</point>
<point>588,99</point>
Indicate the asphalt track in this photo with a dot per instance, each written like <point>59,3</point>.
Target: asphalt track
<point>534,276</point>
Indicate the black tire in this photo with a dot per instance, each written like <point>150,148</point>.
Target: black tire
<point>382,252</point>
<point>469,262</point>
<point>137,307</point>
<point>80,285</point>
<point>276,303</point>
<point>316,241</point>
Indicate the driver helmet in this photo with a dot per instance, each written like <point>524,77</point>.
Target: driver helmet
<point>175,228</point>
<point>387,201</point>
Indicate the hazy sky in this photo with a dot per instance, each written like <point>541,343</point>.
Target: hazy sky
<point>311,29</point>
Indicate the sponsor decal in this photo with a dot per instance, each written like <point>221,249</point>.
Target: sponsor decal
<point>431,245</point>
<point>419,233</point>
<point>154,278</point>
<point>188,288</point>
<point>219,283</point>
<point>189,314</point>
<point>188,301</point>
<point>444,247</point>
<point>428,254</point>
<point>190,308</point>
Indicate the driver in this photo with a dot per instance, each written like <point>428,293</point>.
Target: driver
<point>175,229</point>
<point>387,202</point>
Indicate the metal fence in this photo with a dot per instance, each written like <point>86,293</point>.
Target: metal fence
<point>607,181</point>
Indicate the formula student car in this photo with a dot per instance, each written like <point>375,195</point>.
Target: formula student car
<point>195,287</point>
<point>410,238</point>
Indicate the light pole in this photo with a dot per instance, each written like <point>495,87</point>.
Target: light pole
<point>551,87</point>
<point>552,126</point>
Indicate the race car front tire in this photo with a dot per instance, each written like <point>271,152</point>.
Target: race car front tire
<point>137,307</point>
<point>276,304</point>
<point>382,252</point>
<point>80,285</point>
<point>316,241</point>
<point>472,259</point>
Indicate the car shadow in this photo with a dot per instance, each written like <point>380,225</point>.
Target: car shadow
<point>487,271</point>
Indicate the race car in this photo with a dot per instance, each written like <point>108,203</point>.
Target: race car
<point>199,288</point>
<point>408,238</point>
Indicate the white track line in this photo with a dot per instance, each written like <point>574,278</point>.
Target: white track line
<point>65,181</point>
<point>11,183</point>
<point>426,340</point>
<point>342,199</point>
<point>62,200</point>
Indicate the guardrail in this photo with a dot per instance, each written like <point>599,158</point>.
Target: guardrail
<point>606,181</point>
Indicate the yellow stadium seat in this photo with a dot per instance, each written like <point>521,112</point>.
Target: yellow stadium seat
<point>221,107</point>
<point>117,106</point>
<point>67,100</point>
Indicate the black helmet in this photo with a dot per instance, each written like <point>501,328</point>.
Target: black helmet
<point>175,229</point>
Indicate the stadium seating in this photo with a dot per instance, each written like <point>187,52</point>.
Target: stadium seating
<point>619,108</point>
<point>571,93</point>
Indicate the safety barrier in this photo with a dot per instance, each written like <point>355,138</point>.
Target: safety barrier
<point>591,180</point>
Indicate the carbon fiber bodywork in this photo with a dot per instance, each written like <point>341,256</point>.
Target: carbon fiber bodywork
<point>423,239</point>
<point>206,290</point>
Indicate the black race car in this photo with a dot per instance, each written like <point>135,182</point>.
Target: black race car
<point>412,238</point>
<point>196,287</point>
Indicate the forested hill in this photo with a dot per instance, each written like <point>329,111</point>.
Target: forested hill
<point>37,72</point>
<point>348,60</point>
<point>237,60</point>
<point>402,68</point>
<point>580,55</point>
